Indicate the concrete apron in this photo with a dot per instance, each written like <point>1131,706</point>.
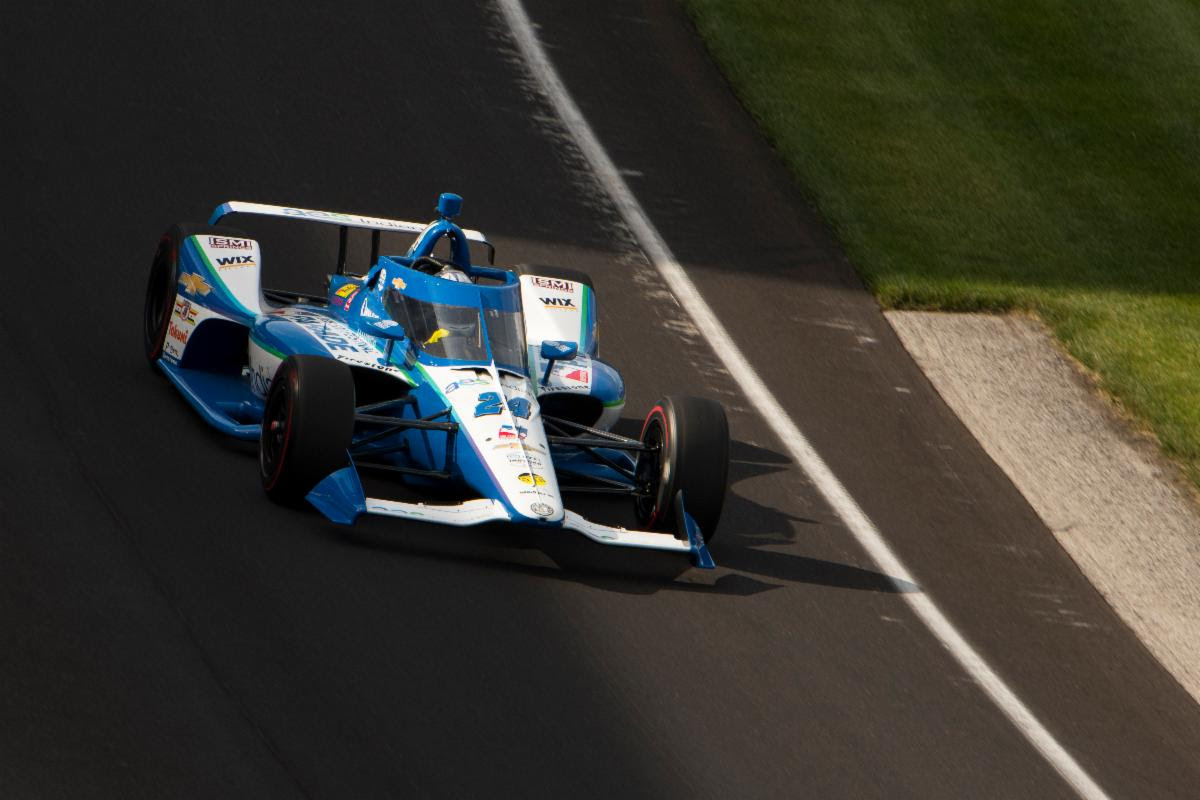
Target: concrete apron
<point>1117,506</point>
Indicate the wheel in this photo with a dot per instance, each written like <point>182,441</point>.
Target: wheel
<point>563,273</point>
<point>162,286</point>
<point>308,422</point>
<point>688,439</point>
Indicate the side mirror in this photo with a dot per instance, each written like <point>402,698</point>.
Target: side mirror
<point>390,330</point>
<point>557,351</point>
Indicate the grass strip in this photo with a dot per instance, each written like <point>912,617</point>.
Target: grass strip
<point>1001,155</point>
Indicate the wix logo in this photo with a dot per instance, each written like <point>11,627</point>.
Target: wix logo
<point>235,261</point>
<point>558,302</point>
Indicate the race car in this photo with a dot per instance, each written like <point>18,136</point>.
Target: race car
<point>429,369</point>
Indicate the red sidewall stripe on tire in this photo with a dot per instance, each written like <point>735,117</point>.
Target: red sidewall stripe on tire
<point>287,436</point>
<point>161,337</point>
<point>666,443</point>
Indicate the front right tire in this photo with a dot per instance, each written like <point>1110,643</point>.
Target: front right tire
<point>688,450</point>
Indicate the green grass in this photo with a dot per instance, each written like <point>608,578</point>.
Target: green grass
<point>997,155</point>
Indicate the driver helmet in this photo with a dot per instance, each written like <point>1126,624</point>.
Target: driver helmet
<point>450,273</point>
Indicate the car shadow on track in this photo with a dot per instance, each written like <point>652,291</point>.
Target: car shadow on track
<point>560,555</point>
<point>743,568</point>
<point>748,526</point>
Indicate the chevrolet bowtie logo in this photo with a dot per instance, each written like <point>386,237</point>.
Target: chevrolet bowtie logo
<point>195,283</point>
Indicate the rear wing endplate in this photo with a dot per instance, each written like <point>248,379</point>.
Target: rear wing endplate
<point>344,221</point>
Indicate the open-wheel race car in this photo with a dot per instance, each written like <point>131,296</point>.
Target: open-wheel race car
<point>430,369</point>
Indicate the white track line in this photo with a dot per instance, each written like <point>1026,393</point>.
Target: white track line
<point>756,391</point>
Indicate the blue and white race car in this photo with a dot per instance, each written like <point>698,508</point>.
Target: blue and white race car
<point>430,369</point>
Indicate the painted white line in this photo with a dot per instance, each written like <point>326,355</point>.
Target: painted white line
<point>831,489</point>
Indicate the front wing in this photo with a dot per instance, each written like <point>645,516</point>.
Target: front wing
<point>341,498</point>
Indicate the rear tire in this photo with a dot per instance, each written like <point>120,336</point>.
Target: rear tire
<point>308,423</point>
<point>163,284</point>
<point>691,440</point>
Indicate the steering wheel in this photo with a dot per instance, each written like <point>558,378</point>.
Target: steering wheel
<point>428,264</point>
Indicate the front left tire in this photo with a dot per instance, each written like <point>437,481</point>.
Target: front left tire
<point>308,424</point>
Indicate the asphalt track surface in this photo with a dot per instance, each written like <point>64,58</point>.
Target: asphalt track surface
<point>167,632</point>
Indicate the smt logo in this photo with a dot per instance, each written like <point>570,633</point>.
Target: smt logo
<point>552,283</point>
<point>230,262</point>
<point>558,302</point>
<point>320,327</point>
<point>231,244</point>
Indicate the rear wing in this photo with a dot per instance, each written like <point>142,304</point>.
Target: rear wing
<point>344,222</point>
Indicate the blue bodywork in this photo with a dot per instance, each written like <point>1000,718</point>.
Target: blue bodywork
<point>217,372</point>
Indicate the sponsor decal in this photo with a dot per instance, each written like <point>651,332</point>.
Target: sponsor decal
<point>323,328</point>
<point>194,284</point>
<point>466,382</point>
<point>177,333</point>
<point>515,388</point>
<point>511,445</point>
<point>350,218</point>
<point>488,403</point>
<point>171,349</point>
<point>185,311</point>
<point>541,509</point>
<point>558,303</point>
<point>386,323</point>
<point>520,407</point>
<point>260,380</point>
<point>348,290</point>
<point>349,300</point>
<point>555,284</point>
<point>510,433</point>
<point>526,457</point>
<point>532,479</point>
<point>573,374</point>
<point>232,244</point>
<point>367,313</point>
<point>230,262</point>
<point>398,284</point>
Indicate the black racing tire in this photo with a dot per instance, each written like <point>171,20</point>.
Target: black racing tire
<point>564,273</point>
<point>163,284</point>
<point>308,423</point>
<point>689,437</point>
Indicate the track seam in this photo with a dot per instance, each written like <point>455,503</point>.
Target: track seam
<point>755,389</point>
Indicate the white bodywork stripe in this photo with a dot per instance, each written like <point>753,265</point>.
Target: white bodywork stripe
<point>607,534</point>
<point>756,391</point>
<point>472,512</point>
<point>330,217</point>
